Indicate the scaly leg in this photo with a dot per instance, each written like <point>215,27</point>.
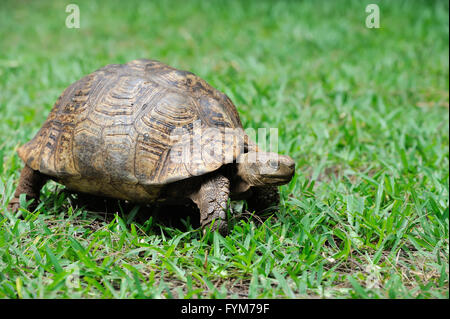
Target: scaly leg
<point>30,184</point>
<point>212,199</point>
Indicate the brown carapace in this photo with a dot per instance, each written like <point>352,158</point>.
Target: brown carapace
<point>112,134</point>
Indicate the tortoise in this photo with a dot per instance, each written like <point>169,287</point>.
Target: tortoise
<point>111,134</point>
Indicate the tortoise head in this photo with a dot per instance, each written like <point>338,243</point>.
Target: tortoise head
<point>261,168</point>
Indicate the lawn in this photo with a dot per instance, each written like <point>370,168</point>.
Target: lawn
<point>363,112</point>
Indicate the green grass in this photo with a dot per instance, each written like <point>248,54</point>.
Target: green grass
<point>364,113</point>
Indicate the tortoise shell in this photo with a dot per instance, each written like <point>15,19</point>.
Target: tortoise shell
<point>110,132</point>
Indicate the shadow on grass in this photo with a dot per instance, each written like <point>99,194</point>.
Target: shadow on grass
<point>182,217</point>
<point>152,217</point>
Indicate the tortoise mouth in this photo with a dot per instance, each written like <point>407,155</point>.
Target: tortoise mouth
<point>278,179</point>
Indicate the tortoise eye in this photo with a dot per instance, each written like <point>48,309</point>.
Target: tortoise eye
<point>273,164</point>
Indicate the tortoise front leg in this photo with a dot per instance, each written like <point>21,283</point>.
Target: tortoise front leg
<point>30,184</point>
<point>212,199</point>
<point>263,199</point>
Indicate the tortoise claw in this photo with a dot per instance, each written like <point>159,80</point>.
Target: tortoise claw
<point>13,205</point>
